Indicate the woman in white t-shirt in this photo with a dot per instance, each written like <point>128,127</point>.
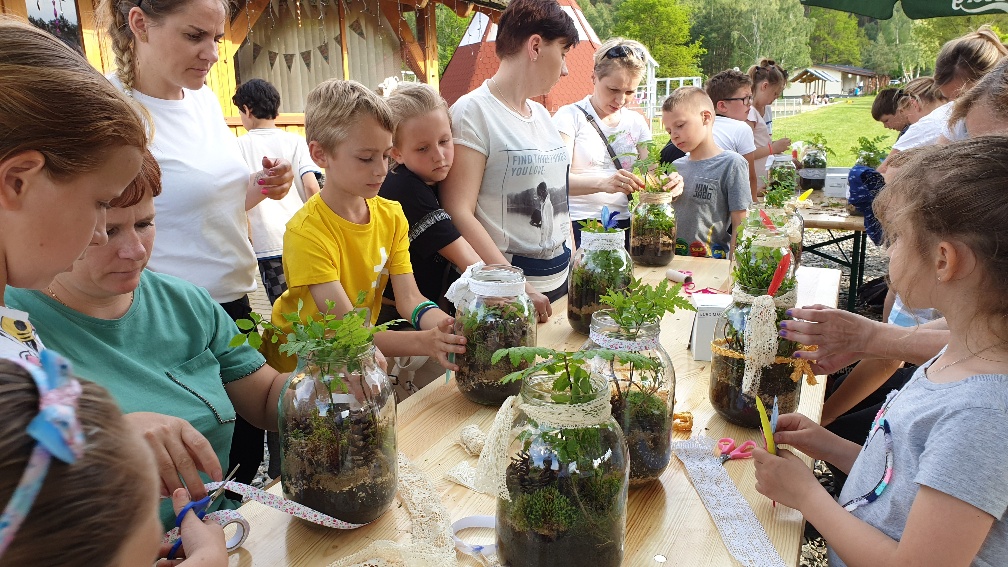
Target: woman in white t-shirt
<point>927,111</point>
<point>595,179</point>
<point>507,190</point>
<point>768,82</point>
<point>962,62</point>
<point>164,50</point>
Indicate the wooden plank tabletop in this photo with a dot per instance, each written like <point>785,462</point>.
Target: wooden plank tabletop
<point>665,518</point>
<point>829,213</point>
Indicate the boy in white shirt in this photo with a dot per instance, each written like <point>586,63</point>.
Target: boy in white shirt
<point>731,93</point>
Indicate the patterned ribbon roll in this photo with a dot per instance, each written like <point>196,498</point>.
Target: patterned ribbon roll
<point>226,517</point>
<point>740,530</point>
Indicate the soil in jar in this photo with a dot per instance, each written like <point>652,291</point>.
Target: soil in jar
<point>558,519</point>
<point>740,408</point>
<point>491,328</point>
<point>343,467</point>
<point>652,247</point>
<point>647,427</point>
<point>586,287</point>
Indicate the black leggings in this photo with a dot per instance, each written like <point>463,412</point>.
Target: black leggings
<point>247,440</point>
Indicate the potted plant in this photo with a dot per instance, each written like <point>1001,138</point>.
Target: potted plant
<point>749,357</point>
<point>813,172</point>
<point>641,399</point>
<point>869,151</point>
<point>336,414</point>
<point>652,219</point>
<point>496,314</point>
<point>565,482</point>
<point>600,265</point>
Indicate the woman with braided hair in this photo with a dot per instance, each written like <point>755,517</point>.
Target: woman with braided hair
<point>164,50</point>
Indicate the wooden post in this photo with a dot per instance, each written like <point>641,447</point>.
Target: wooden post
<point>426,23</point>
<point>15,8</point>
<point>343,40</point>
<point>89,35</point>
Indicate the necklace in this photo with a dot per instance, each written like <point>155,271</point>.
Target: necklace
<point>957,361</point>
<point>500,95</point>
<point>53,295</point>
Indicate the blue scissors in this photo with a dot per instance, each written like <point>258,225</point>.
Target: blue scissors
<point>727,450</point>
<point>199,508</point>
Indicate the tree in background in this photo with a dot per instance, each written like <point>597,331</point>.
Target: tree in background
<point>836,37</point>
<point>450,28</point>
<point>931,34</point>
<point>891,48</point>
<point>663,26</point>
<point>738,33</point>
<point>601,15</point>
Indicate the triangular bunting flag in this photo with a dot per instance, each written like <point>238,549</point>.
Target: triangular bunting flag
<point>272,57</point>
<point>358,28</point>
<point>324,51</point>
<point>306,57</point>
<point>256,50</point>
<point>289,60</point>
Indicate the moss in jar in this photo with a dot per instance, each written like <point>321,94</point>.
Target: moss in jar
<point>589,281</point>
<point>488,328</point>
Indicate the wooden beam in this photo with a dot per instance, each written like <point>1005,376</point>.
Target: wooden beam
<point>89,34</point>
<point>246,18</point>
<point>15,8</point>
<point>426,22</point>
<point>343,40</point>
<point>411,50</point>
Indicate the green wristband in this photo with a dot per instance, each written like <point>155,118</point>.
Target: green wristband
<point>417,310</point>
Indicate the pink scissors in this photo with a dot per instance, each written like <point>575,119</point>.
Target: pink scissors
<point>727,450</point>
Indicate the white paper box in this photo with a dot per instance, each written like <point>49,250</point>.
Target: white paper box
<point>836,182</point>
<point>709,308</point>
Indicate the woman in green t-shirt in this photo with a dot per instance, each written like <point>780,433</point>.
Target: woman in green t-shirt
<point>159,344</point>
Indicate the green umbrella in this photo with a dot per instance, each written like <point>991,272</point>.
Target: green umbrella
<point>916,9</point>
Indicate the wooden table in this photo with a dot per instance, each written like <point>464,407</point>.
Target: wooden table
<point>664,518</point>
<point>825,214</point>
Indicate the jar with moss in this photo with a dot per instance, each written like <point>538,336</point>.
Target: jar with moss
<point>493,313</point>
<point>783,214</point>
<point>562,476</point>
<point>337,419</point>
<point>601,264</point>
<point>749,358</point>
<point>652,228</point>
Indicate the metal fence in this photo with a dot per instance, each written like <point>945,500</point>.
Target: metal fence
<point>651,95</point>
<point>787,107</point>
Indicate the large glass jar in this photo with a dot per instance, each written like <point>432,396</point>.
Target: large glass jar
<point>748,356</point>
<point>653,229</point>
<point>601,264</point>
<point>500,316</point>
<point>788,220</point>
<point>566,481</point>
<point>813,172</point>
<point>641,399</point>
<point>338,440</point>
<point>783,173</point>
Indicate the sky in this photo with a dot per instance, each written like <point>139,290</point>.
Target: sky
<point>43,9</point>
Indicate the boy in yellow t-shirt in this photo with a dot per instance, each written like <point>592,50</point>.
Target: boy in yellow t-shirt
<point>346,239</point>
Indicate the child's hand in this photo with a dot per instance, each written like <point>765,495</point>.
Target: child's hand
<point>802,433</point>
<point>275,178</point>
<point>202,540</point>
<point>779,146</point>
<point>541,303</point>
<point>784,477</point>
<point>444,342</point>
<point>623,181</point>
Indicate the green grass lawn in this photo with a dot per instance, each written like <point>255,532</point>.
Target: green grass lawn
<point>841,123</point>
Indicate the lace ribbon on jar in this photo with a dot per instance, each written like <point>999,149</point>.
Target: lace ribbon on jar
<point>761,333</point>
<point>463,291</point>
<point>624,345</point>
<point>602,240</point>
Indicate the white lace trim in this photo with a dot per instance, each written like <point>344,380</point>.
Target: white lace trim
<point>761,333</point>
<point>741,531</point>
<point>602,240</point>
<point>646,343</point>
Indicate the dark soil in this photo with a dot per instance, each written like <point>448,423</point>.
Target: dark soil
<point>648,431</point>
<point>726,390</point>
<point>652,249</point>
<point>478,378</point>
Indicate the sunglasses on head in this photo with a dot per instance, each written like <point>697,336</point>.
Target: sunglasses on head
<point>620,51</point>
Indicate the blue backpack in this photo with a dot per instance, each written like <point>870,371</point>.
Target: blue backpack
<point>865,184</point>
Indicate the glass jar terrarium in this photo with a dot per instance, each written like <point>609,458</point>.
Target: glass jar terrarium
<point>337,435</point>
<point>653,229</point>
<point>813,172</point>
<point>783,174</point>
<point>601,264</point>
<point>641,399</point>
<point>749,357</point>
<point>499,315</point>
<point>786,218</point>
<point>566,480</point>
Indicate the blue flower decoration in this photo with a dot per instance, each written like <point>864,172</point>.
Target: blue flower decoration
<point>774,414</point>
<point>608,218</point>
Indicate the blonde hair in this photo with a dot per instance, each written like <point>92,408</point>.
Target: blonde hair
<point>992,90</point>
<point>924,90</point>
<point>637,64</point>
<point>945,193</point>
<point>113,21</point>
<point>54,102</point>
<point>768,70</point>
<point>78,515</point>
<point>334,106</point>
<point>691,97</point>
<point>969,57</point>
<point>410,100</point>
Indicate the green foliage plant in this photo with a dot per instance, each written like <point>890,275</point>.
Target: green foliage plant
<point>870,151</point>
<point>652,170</point>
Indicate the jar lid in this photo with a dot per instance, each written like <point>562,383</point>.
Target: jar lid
<point>602,240</point>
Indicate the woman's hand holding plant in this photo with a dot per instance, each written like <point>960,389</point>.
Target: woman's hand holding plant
<point>623,181</point>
